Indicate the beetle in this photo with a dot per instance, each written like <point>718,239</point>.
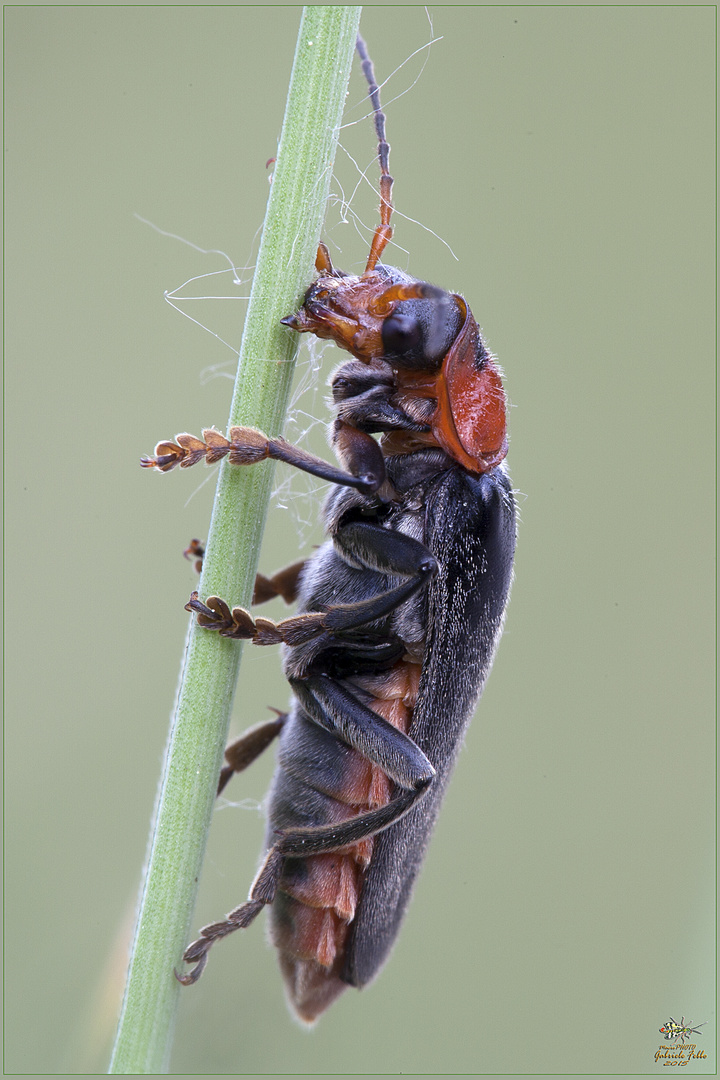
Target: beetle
<point>399,613</point>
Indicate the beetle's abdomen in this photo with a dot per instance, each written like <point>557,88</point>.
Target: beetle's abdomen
<point>317,896</point>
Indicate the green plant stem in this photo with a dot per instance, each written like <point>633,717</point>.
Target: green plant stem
<point>201,717</point>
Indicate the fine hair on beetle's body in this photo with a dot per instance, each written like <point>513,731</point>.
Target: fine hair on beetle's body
<point>399,613</point>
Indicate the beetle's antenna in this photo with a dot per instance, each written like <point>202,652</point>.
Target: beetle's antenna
<point>383,232</point>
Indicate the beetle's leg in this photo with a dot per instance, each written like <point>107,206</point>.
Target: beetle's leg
<point>335,708</point>
<point>242,751</point>
<point>367,544</point>
<point>297,843</point>
<point>282,583</point>
<point>247,446</point>
<point>262,893</point>
<point>195,550</point>
<point>239,624</point>
<point>332,706</point>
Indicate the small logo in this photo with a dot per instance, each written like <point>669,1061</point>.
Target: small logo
<point>672,1030</point>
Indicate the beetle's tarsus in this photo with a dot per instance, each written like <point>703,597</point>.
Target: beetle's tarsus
<point>284,582</point>
<point>245,446</point>
<point>248,446</point>
<point>215,614</point>
<point>238,624</point>
<point>197,952</point>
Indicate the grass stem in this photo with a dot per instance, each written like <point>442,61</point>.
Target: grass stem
<point>201,716</point>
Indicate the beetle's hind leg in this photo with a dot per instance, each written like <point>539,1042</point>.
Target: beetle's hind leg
<point>335,708</point>
<point>299,843</point>
<point>239,754</point>
<point>261,893</point>
<point>247,747</point>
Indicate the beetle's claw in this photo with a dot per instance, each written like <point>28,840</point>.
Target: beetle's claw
<point>191,977</point>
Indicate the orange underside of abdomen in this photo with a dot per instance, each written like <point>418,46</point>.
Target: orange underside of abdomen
<point>319,908</point>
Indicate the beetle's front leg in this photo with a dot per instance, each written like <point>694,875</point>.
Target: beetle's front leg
<point>247,446</point>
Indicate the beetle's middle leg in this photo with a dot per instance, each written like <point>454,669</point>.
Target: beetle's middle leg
<point>367,545</point>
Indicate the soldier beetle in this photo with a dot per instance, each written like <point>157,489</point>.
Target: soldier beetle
<point>399,613</point>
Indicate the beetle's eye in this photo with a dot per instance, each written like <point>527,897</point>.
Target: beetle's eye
<point>401,334</point>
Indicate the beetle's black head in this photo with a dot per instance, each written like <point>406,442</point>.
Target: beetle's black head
<point>418,333</point>
<point>383,314</point>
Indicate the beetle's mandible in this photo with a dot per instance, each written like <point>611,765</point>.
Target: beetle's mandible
<point>400,612</point>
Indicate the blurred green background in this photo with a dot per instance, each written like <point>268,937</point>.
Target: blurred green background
<point>565,154</point>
